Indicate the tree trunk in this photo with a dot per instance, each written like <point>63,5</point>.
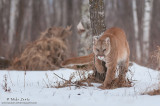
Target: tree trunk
<point>146,28</point>
<point>136,30</point>
<point>47,13</point>
<point>12,24</point>
<point>26,28</point>
<point>58,12</point>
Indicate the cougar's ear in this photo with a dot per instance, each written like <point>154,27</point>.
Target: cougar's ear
<point>95,39</point>
<point>107,40</point>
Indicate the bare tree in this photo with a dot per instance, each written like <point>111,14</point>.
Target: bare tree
<point>146,28</point>
<point>58,12</point>
<point>47,12</point>
<point>13,16</point>
<point>12,24</point>
<point>26,27</point>
<point>136,30</point>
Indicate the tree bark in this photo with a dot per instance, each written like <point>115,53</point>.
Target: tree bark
<point>12,25</point>
<point>12,22</point>
<point>136,30</point>
<point>26,28</point>
<point>47,13</point>
<point>146,28</point>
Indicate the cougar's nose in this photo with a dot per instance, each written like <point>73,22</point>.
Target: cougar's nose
<point>101,57</point>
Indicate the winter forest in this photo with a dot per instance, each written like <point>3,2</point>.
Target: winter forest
<point>36,36</point>
<point>22,21</point>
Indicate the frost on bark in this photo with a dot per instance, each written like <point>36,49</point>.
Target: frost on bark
<point>136,30</point>
<point>84,30</point>
<point>92,22</point>
<point>146,28</point>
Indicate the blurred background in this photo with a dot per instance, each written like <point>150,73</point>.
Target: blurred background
<point>22,21</point>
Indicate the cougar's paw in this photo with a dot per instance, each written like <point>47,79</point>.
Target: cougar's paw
<point>103,88</point>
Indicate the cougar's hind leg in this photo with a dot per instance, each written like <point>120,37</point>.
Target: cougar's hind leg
<point>123,69</point>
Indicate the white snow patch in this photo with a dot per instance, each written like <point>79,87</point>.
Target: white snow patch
<point>80,26</point>
<point>36,91</point>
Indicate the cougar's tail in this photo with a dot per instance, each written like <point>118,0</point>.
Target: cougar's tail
<point>79,60</point>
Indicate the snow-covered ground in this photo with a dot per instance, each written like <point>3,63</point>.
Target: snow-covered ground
<point>32,89</point>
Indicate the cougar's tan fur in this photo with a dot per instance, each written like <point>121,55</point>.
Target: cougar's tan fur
<point>112,48</point>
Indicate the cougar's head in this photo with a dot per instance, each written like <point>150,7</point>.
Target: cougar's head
<point>101,47</point>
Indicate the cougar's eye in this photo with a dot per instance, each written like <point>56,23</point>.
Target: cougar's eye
<point>97,50</point>
<point>104,50</point>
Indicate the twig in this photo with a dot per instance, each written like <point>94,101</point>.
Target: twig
<point>72,83</point>
<point>10,78</point>
<point>61,78</point>
<point>24,79</point>
<point>46,83</point>
<point>48,80</point>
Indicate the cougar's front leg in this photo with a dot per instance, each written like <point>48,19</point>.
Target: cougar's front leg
<point>99,66</point>
<point>110,76</point>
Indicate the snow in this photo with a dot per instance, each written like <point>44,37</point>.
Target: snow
<point>34,89</point>
<point>80,26</point>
